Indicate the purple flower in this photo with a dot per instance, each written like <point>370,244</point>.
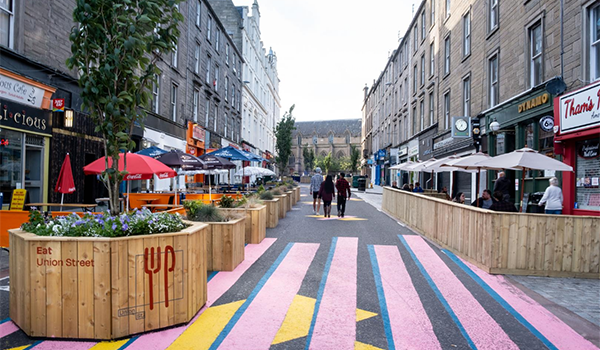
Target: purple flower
<point>114,226</point>
<point>125,227</point>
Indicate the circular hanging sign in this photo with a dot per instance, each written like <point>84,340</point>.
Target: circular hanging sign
<point>547,123</point>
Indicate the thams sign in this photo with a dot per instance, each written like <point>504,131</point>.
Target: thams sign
<point>580,109</point>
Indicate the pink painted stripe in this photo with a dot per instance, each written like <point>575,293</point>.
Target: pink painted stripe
<point>216,288</point>
<point>550,326</point>
<point>411,327</point>
<point>60,345</point>
<point>7,328</point>
<point>271,304</point>
<point>335,326</point>
<point>481,327</point>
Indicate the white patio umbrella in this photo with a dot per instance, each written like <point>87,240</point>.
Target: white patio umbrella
<point>524,159</point>
<point>249,171</point>
<point>402,165</point>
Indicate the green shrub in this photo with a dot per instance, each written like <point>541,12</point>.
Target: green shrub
<point>267,195</point>
<point>260,189</point>
<point>227,202</point>
<point>276,192</point>
<point>205,213</point>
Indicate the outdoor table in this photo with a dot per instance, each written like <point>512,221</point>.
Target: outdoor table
<point>85,207</point>
<point>148,200</point>
<point>155,207</point>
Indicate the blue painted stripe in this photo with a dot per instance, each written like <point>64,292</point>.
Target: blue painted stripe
<point>129,342</point>
<point>438,294</point>
<point>499,299</point>
<point>210,277</point>
<point>382,303</point>
<point>321,291</point>
<point>238,314</point>
<point>33,345</point>
<point>5,320</point>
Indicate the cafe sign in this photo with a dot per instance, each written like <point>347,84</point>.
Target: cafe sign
<point>580,109</point>
<point>24,118</point>
<point>18,91</point>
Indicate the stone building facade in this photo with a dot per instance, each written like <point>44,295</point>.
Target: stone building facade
<point>481,60</point>
<point>323,137</point>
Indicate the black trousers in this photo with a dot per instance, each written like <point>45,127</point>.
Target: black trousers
<point>341,205</point>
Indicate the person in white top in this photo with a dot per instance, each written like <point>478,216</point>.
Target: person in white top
<point>553,198</point>
<point>315,185</point>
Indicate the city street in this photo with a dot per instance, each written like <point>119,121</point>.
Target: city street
<point>362,282</point>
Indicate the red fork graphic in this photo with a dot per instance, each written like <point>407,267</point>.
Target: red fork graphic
<point>168,249</point>
<point>151,271</point>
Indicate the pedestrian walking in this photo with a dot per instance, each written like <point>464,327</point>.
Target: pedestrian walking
<point>326,192</point>
<point>343,188</point>
<point>503,185</point>
<point>315,186</point>
<point>553,198</point>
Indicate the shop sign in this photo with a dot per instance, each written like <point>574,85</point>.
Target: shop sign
<point>58,105</point>
<point>18,199</point>
<point>24,118</point>
<point>403,151</point>
<point>580,109</point>
<point>547,123</point>
<point>18,91</point>
<point>442,143</point>
<point>534,102</point>
<point>413,151</point>
<point>381,153</point>
<point>589,149</point>
<point>198,133</point>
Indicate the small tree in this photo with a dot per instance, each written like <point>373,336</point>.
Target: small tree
<point>283,134</point>
<point>309,158</point>
<point>354,158</point>
<point>115,47</point>
<point>327,163</point>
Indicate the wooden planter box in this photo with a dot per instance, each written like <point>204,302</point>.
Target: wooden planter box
<point>290,198</point>
<point>225,244</point>
<point>297,190</point>
<point>272,212</point>
<point>256,222</point>
<point>283,205</point>
<point>106,288</point>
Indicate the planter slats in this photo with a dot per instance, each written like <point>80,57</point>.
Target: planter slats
<point>100,288</point>
<point>225,244</point>
<point>256,222</point>
<point>283,204</point>
<point>272,212</point>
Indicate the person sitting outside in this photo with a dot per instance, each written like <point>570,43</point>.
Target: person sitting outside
<point>395,184</point>
<point>502,204</point>
<point>553,198</point>
<point>459,198</point>
<point>405,188</point>
<point>411,187</point>
<point>445,191</point>
<point>418,187</point>
<point>485,201</point>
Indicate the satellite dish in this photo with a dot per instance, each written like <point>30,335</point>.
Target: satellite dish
<point>556,86</point>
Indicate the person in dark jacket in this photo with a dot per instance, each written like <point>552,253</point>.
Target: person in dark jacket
<point>485,201</point>
<point>503,185</point>
<point>343,188</point>
<point>326,193</point>
<point>502,204</point>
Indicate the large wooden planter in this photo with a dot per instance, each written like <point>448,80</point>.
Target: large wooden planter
<point>106,288</point>
<point>272,212</point>
<point>297,190</point>
<point>256,222</point>
<point>283,205</point>
<point>225,244</point>
<point>290,195</point>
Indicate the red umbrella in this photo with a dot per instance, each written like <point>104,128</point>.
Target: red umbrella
<point>65,183</point>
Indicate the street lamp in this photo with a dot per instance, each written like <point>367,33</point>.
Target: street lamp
<point>494,126</point>
<point>68,118</point>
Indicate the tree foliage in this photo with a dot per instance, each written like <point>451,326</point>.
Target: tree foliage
<point>115,45</point>
<point>354,158</point>
<point>283,134</point>
<point>309,158</point>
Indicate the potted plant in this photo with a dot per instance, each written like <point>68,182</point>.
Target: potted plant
<point>226,235</point>
<point>255,212</point>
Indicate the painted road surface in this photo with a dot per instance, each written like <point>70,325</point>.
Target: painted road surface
<point>361,282</point>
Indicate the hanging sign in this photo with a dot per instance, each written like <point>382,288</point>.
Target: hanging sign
<point>589,149</point>
<point>547,123</point>
<point>58,105</point>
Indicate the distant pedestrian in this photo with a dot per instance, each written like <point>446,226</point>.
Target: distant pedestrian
<point>553,198</point>
<point>326,192</point>
<point>418,187</point>
<point>315,185</point>
<point>485,201</point>
<point>502,204</point>
<point>343,188</point>
<point>503,185</point>
<point>459,198</point>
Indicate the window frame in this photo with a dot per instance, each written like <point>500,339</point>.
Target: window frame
<point>466,34</point>
<point>226,88</point>
<point>493,16</point>
<point>493,97</point>
<point>175,56</point>
<point>198,13</point>
<point>592,59</point>
<point>209,25</point>
<point>195,104</point>
<point>431,108</point>
<point>156,94</point>
<point>422,69</point>
<point>447,107</point>
<point>422,113</point>
<point>415,79</point>
<point>10,12</point>
<point>432,13</point>
<point>531,81</point>
<point>447,8</point>
<point>197,58</point>
<point>466,90</point>
<point>432,59</point>
<point>174,93</point>
<point>447,55</point>
<point>207,113</point>
<point>423,23</point>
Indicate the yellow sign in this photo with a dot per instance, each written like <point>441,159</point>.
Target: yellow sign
<point>534,102</point>
<point>18,199</point>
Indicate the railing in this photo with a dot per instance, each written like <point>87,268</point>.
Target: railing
<point>503,243</point>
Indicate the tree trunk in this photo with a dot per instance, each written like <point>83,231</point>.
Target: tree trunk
<point>113,189</point>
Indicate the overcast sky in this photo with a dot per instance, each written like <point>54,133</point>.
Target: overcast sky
<point>328,49</point>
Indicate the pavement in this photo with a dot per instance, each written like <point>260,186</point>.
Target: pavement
<point>364,281</point>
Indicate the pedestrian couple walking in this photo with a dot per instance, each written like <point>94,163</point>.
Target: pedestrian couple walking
<point>325,190</point>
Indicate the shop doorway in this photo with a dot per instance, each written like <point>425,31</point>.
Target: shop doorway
<point>34,165</point>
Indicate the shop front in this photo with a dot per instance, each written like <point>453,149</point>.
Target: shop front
<point>577,139</point>
<point>25,131</point>
<point>523,121</point>
<point>160,139</point>
<point>401,177</point>
<point>426,153</point>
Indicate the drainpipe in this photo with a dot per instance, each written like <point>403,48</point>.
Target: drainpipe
<point>562,47</point>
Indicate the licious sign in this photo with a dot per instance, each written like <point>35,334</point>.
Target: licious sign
<point>17,91</point>
<point>580,109</point>
<point>24,118</point>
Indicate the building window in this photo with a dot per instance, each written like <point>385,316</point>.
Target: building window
<point>216,117</point>
<point>331,139</point>
<point>416,37</point>
<point>447,8</point>
<point>226,123</point>
<point>197,59</point>
<point>422,112</point>
<point>593,41</point>
<point>227,54</point>
<point>422,69</point>
<point>6,23</point>
<point>414,121</point>
<point>299,140</point>
<point>218,40</point>
<point>493,15</point>
<point>198,11</point>
<point>431,59</point>
<point>431,108</point>
<point>216,81</point>
<point>493,80</point>
<point>208,68</point>
<point>209,28</point>
<point>467,96</point>
<point>195,105</point>
<point>206,113</point>
<point>348,139</point>
<point>422,25</point>
<point>315,140</point>
<point>415,77</point>
<point>233,95</point>
<point>175,55</point>
<point>587,190</point>
<point>535,50</point>
<point>156,94</point>
<point>467,34</point>
<point>226,88</point>
<point>447,110</point>
<point>432,8</point>
<point>174,102</point>
<point>447,55</point>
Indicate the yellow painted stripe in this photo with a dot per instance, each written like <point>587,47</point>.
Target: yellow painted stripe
<point>20,347</point>
<point>362,346</point>
<point>109,345</point>
<point>363,315</point>
<point>203,332</point>
<point>297,320</point>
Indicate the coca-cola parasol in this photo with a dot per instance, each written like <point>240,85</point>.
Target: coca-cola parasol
<point>65,183</point>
